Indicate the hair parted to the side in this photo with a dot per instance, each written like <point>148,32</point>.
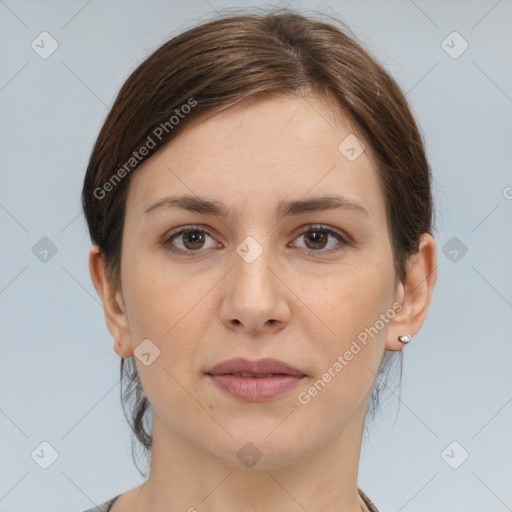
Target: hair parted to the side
<point>220,63</point>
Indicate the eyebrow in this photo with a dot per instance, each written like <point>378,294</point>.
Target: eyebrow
<point>284,209</point>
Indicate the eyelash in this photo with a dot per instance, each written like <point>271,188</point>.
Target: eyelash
<point>166,241</point>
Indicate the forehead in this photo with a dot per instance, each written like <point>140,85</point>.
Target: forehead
<point>280,147</point>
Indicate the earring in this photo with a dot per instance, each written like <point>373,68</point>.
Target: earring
<point>405,339</point>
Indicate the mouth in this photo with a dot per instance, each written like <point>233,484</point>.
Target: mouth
<point>255,381</point>
<point>255,369</point>
<point>255,375</point>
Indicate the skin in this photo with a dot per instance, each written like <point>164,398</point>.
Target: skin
<point>295,302</point>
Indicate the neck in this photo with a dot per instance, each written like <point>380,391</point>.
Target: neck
<point>189,478</point>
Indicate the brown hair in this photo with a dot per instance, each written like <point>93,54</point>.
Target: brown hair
<point>221,62</point>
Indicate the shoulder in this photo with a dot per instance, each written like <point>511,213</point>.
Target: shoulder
<point>104,507</point>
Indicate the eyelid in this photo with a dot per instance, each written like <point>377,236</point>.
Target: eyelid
<point>324,227</point>
<point>188,227</point>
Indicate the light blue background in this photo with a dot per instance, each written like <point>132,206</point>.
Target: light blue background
<point>59,373</point>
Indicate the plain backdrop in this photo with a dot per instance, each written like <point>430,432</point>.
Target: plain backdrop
<point>446,445</point>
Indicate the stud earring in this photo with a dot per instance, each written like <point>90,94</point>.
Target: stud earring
<point>405,339</point>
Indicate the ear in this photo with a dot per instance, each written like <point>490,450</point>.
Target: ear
<point>113,304</point>
<point>414,293</point>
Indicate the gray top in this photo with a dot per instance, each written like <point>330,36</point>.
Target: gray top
<point>105,507</point>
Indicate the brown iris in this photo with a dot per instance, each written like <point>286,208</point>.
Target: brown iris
<point>195,237</point>
<point>319,238</point>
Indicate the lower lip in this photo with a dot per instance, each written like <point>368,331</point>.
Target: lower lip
<point>255,389</point>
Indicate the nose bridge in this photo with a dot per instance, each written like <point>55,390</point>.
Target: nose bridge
<point>252,259</point>
<point>253,294</point>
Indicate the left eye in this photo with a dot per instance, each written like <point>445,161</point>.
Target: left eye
<point>317,237</point>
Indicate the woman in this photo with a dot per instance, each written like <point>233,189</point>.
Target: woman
<point>260,207</point>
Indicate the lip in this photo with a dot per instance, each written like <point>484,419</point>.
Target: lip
<point>255,381</point>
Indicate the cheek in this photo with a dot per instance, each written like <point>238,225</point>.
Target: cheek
<point>172,310</point>
<point>159,299</point>
<point>166,308</point>
<point>351,297</point>
<point>350,305</point>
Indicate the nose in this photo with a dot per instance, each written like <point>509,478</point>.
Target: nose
<point>255,298</point>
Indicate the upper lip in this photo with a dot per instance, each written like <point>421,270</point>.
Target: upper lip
<point>261,367</point>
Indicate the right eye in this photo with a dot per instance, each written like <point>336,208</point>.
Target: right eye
<point>187,241</point>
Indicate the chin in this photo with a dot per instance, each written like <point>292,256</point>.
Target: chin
<point>259,451</point>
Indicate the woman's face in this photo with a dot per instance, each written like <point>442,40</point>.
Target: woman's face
<point>250,284</point>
